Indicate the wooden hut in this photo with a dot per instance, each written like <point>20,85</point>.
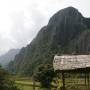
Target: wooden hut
<point>73,64</point>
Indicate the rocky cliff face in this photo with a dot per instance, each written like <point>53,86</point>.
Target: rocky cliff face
<point>67,32</point>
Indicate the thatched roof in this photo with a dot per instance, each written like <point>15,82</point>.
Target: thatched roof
<point>70,62</point>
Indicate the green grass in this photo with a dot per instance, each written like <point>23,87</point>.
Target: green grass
<point>70,84</point>
<point>24,87</point>
<point>28,85</point>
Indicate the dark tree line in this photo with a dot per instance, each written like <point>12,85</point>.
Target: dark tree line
<point>45,75</point>
<point>5,82</point>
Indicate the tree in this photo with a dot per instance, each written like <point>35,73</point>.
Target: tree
<point>45,75</point>
<point>5,82</point>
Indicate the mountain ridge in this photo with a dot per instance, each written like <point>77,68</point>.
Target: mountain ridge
<point>64,34</point>
<point>8,56</point>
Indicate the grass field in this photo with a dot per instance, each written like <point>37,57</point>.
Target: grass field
<point>28,85</point>
<point>70,84</point>
<point>24,87</point>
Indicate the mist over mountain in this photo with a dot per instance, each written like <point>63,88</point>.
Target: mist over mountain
<point>67,32</point>
<point>9,56</point>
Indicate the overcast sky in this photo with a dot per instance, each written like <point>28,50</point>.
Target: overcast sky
<point>20,20</point>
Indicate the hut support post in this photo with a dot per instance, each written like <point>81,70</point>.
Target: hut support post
<point>85,78</point>
<point>33,84</point>
<point>88,79</point>
<point>63,80</point>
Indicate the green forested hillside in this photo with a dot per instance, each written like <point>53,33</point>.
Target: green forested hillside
<point>67,32</point>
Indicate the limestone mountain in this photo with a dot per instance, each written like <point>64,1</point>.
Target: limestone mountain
<point>67,32</point>
<point>7,57</point>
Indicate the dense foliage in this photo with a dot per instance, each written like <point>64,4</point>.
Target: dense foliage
<point>5,82</point>
<point>45,75</point>
<point>67,32</point>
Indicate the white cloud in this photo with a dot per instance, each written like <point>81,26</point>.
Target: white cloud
<point>20,20</point>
